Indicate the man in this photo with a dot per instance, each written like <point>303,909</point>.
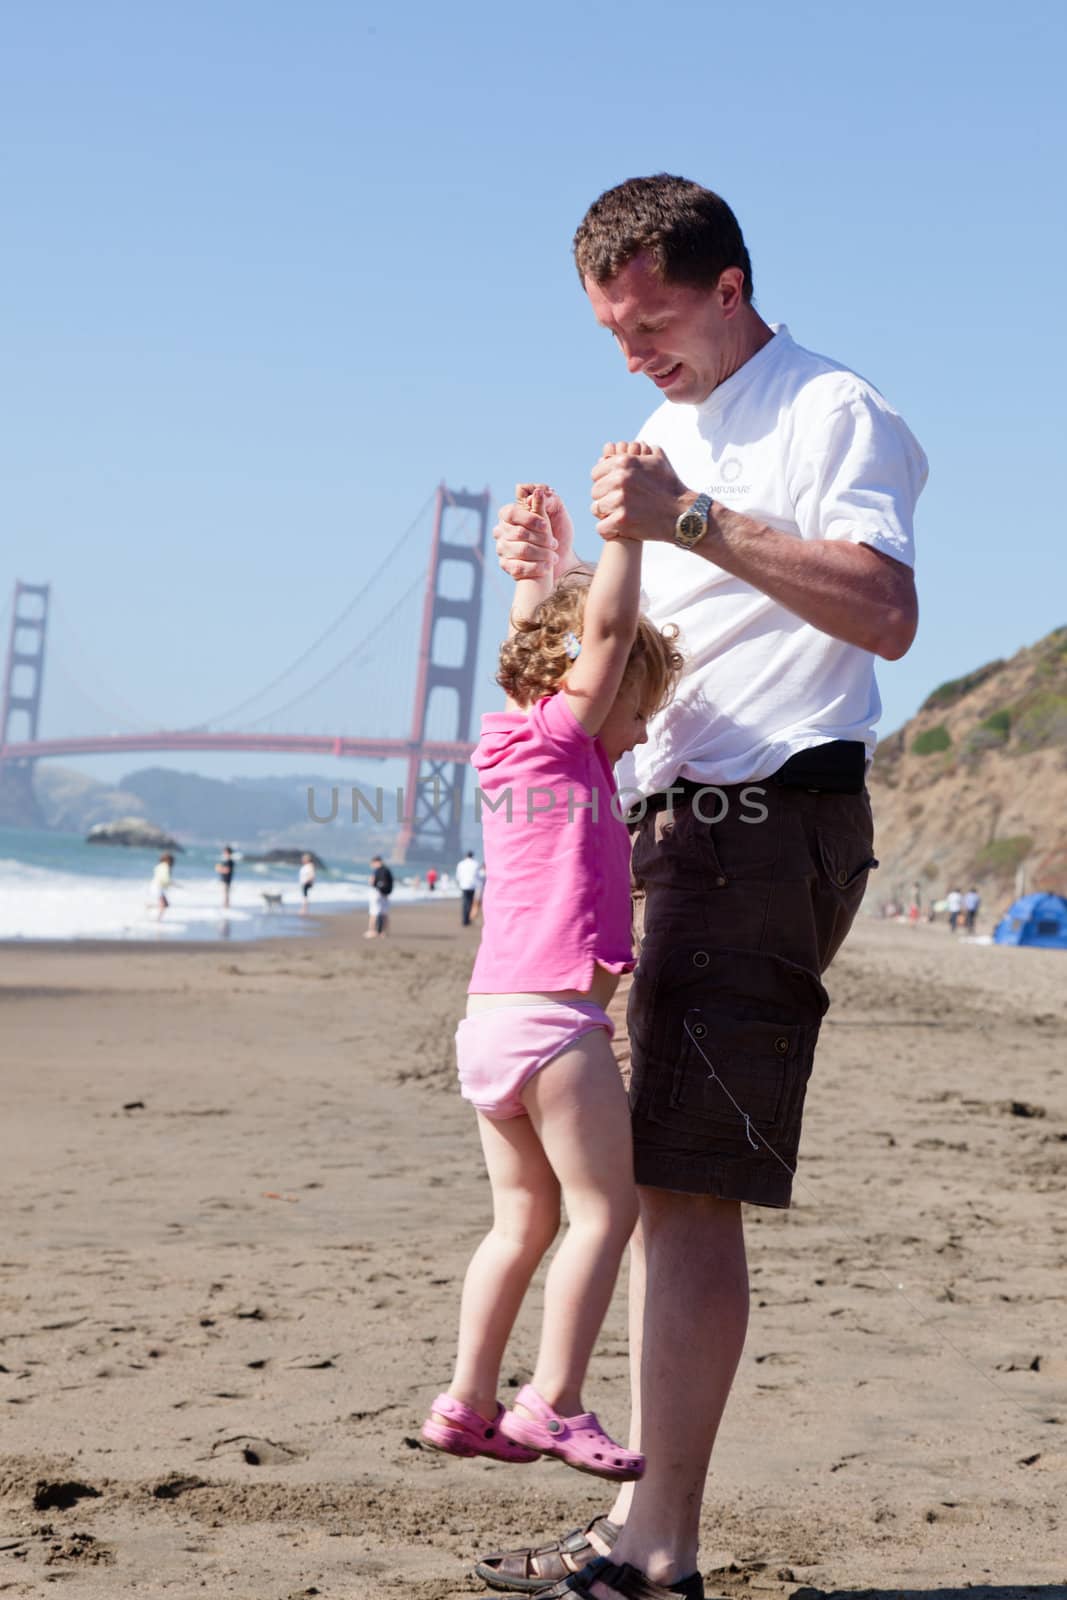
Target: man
<point>954,906</point>
<point>972,901</point>
<point>224,867</point>
<point>467,879</point>
<point>381,887</point>
<point>776,510</point>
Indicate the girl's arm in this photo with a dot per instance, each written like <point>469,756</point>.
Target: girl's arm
<point>608,630</point>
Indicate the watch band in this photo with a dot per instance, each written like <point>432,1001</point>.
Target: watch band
<point>692,525</point>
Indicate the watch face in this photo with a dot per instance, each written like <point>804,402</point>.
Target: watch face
<point>690,526</point>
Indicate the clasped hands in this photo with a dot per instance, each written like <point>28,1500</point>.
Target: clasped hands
<point>636,495</point>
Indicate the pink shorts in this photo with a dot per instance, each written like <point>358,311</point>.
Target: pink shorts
<point>499,1051</point>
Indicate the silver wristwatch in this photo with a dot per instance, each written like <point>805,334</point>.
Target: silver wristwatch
<point>692,525</point>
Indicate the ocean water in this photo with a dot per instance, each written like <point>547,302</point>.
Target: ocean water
<point>55,886</point>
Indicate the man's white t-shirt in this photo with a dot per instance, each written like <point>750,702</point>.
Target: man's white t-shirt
<point>804,445</point>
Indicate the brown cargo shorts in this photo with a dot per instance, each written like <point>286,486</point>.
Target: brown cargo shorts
<point>740,904</point>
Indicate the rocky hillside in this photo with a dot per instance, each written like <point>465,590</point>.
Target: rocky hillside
<point>975,785</point>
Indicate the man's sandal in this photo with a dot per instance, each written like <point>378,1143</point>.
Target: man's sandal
<point>578,1441</point>
<point>467,1433</point>
<point>533,1570</point>
<point>623,1580</point>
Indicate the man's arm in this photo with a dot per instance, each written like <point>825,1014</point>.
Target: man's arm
<point>850,591</point>
<point>532,544</point>
<point>536,584</point>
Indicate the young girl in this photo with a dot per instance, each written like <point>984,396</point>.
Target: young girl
<point>162,883</point>
<point>582,671</point>
<point>306,880</point>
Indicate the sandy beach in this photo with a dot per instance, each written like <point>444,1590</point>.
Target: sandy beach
<point>239,1191</point>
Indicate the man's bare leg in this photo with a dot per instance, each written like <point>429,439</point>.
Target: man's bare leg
<point>689,1316</point>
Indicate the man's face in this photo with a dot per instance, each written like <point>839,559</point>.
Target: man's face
<point>679,337</point>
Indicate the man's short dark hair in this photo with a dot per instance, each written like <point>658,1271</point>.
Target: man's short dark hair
<point>689,233</point>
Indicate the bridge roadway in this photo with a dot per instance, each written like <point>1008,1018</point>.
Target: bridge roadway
<point>319,744</point>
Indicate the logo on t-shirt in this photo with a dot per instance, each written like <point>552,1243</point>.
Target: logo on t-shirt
<point>730,469</point>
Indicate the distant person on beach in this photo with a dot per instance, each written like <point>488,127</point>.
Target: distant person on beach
<point>776,504</point>
<point>972,902</point>
<point>467,880</point>
<point>431,879</point>
<point>381,887</point>
<point>162,883</point>
<point>582,672</point>
<point>479,892</point>
<point>954,907</point>
<point>224,867</point>
<point>306,880</point>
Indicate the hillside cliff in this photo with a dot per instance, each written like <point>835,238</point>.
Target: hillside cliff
<point>974,787</point>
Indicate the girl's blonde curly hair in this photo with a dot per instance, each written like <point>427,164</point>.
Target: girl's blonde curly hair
<point>535,659</point>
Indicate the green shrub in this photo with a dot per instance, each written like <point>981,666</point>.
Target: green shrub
<point>1042,720</point>
<point>931,741</point>
<point>1050,657</point>
<point>948,693</point>
<point>998,722</point>
<point>990,734</point>
<point>1000,857</point>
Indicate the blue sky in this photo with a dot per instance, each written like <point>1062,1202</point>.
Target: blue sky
<point>274,271</point>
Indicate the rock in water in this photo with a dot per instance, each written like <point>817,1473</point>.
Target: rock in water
<point>286,858</point>
<point>133,832</point>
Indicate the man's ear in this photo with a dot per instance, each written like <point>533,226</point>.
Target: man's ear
<point>731,291</point>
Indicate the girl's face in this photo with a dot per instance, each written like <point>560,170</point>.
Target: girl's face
<point>626,724</point>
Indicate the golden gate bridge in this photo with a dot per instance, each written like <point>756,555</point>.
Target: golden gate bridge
<point>444,693</point>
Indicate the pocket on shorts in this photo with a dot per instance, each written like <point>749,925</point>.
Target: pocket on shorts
<point>845,858</point>
<point>674,850</point>
<point>730,1068</point>
<point>723,1042</point>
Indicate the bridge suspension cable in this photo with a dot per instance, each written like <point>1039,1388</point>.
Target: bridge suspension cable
<point>75,689</point>
<point>358,652</point>
<point>117,702</point>
<point>354,656</point>
<point>342,616</point>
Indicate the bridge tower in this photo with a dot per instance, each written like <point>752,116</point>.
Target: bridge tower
<point>433,796</point>
<point>23,682</point>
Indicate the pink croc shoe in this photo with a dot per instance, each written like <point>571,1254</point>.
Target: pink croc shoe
<point>468,1434</point>
<point>579,1441</point>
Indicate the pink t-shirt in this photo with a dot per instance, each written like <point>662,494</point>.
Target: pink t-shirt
<point>557,856</point>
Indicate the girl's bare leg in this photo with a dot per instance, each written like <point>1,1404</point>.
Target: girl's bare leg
<point>525,1222</point>
<point>579,1110</point>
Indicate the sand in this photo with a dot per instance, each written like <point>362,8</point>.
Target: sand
<point>239,1191</point>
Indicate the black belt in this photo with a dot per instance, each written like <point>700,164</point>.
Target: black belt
<point>839,767</point>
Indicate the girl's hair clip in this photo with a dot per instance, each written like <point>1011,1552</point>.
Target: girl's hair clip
<point>572,644</point>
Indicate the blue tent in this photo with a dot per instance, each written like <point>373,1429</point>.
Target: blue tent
<point>1037,919</point>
